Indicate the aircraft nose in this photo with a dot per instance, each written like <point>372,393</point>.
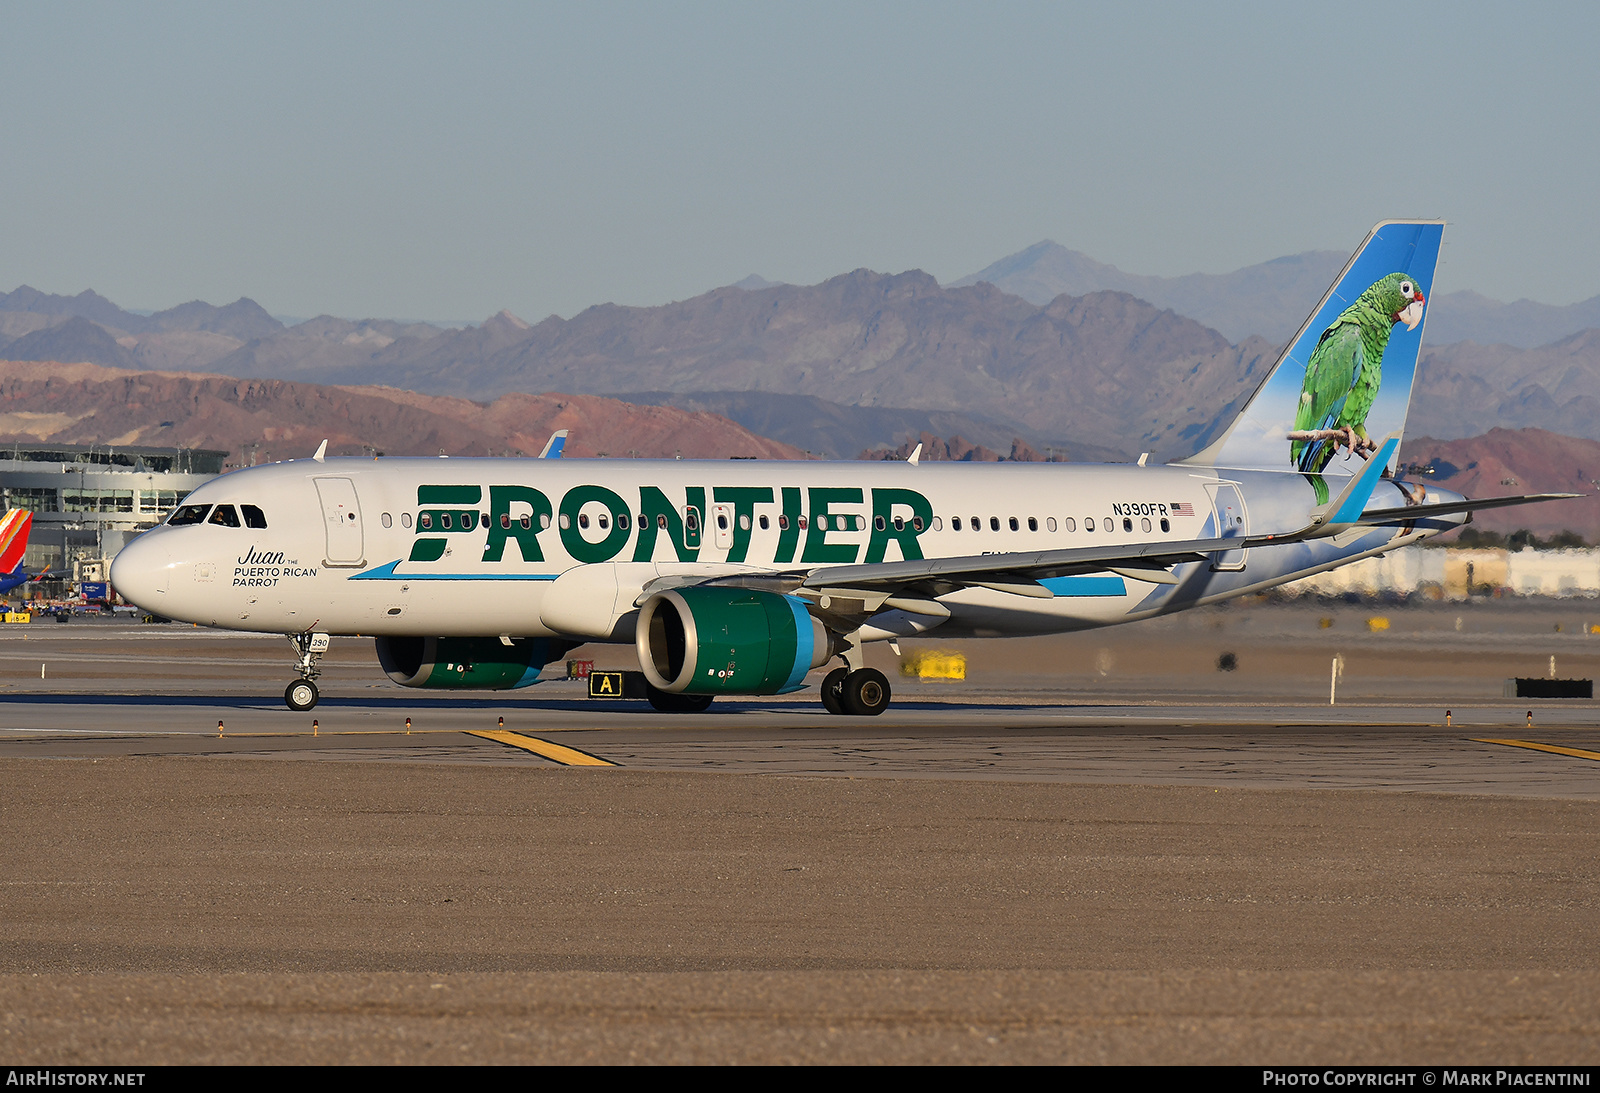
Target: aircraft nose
<point>142,571</point>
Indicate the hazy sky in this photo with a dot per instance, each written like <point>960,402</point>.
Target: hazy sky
<point>448,160</point>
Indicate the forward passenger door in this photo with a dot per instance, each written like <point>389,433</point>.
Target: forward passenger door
<point>341,519</point>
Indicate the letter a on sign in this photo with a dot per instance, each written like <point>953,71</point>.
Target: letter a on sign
<point>605,684</point>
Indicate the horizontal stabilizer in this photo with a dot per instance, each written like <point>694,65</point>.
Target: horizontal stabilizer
<point>1409,513</point>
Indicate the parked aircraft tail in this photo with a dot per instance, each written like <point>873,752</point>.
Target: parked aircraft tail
<point>14,530</point>
<point>1345,379</point>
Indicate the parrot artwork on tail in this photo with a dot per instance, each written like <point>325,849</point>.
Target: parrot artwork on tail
<point>1344,374</point>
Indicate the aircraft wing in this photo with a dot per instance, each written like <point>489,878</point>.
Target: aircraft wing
<point>1021,571</point>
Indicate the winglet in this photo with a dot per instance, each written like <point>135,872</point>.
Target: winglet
<point>915,455</point>
<point>322,450</point>
<point>1344,511</point>
<point>553,446</point>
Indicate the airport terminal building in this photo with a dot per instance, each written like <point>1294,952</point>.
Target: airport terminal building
<point>88,501</point>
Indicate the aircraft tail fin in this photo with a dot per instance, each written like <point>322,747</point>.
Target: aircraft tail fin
<point>15,527</point>
<point>553,446</point>
<point>1347,374</point>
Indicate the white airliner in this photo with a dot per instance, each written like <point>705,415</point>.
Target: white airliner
<point>740,578</point>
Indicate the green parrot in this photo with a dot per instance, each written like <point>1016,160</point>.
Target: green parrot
<point>1344,374</point>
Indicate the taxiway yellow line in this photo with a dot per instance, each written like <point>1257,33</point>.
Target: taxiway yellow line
<point>568,757</point>
<point>1575,752</point>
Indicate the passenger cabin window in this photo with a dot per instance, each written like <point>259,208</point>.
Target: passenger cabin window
<point>405,519</point>
<point>385,519</point>
<point>188,514</point>
<point>994,523</point>
<point>1033,523</point>
<point>1072,525</point>
<point>1013,523</point>
<point>224,516</point>
<point>255,518</point>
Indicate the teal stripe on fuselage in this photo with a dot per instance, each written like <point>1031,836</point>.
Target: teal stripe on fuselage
<point>387,573</point>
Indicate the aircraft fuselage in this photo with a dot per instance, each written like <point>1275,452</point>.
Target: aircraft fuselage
<point>473,547</point>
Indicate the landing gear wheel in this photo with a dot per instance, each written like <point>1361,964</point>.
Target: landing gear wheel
<point>667,702</point>
<point>866,693</point>
<point>301,695</point>
<point>833,690</point>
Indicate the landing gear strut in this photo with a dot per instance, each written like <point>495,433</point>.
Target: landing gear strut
<point>301,695</point>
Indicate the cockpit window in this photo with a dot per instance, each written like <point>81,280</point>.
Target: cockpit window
<point>253,517</point>
<point>224,516</point>
<point>188,514</point>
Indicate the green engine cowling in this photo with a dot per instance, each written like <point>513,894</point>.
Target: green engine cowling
<point>486,664</point>
<point>728,641</point>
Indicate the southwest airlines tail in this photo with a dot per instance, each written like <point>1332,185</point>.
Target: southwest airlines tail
<point>14,529</point>
<point>1344,382</point>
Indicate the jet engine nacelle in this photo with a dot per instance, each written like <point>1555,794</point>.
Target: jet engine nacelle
<point>467,663</point>
<point>729,641</point>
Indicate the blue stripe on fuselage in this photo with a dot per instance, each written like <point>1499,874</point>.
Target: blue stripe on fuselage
<point>1086,585</point>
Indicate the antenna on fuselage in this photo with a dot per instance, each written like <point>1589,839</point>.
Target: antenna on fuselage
<point>322,450</point>
<point>916,454</point>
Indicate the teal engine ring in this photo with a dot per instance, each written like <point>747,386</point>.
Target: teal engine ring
<point>713,640</point>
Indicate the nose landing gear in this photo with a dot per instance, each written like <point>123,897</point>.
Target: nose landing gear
<point>301,695</point>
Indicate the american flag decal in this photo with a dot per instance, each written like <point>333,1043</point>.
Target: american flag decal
<point>1181,508</point>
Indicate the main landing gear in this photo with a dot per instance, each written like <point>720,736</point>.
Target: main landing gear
<point>301,695</point>
<point>863,692</point>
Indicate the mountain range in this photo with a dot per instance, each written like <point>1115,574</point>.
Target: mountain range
<point>869,361</point>
<point>1271,299</point>
<point>263,420</point>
